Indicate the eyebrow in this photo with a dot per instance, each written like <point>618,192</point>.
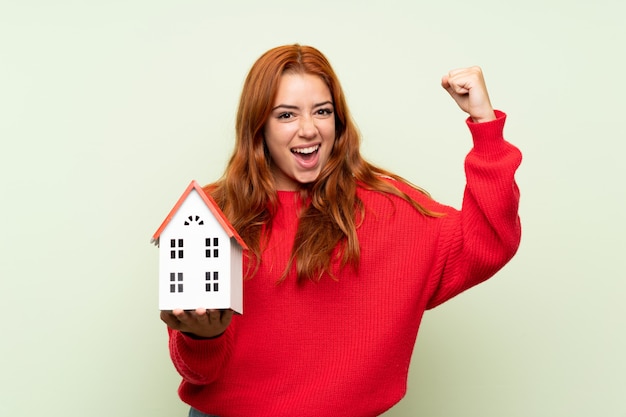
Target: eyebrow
<point>288,106</point>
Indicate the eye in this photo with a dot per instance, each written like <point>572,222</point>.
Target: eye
<point>324,111</point>
<point>285,115</point>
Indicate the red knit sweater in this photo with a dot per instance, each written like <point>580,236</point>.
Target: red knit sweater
<point>342,348</point>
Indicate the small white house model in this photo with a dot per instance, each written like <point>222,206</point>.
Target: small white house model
<point>200,256</point>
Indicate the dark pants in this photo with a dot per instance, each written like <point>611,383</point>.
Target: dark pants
<point>195,413</point>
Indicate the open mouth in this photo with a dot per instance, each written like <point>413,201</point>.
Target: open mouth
<point>306,153</point>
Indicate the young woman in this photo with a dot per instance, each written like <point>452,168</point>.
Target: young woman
<point>344,256</point>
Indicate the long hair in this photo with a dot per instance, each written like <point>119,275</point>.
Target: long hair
<point>247,194</point>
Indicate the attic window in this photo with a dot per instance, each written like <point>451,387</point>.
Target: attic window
<point>194,219</point>
<point>212,245</point>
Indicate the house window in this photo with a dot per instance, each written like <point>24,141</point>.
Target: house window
<point>176,282</point>
<point>176,248</point>
<point>211,249</point>
<point>211,281</point>
<point>194,219</point>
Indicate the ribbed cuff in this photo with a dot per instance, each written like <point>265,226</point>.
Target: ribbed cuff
<point>488,136</point>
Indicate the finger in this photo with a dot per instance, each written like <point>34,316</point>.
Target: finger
<point>227,316</point>
<point>459,84</point>
<point>455,85</point>
<point>466,77</point>
<point>169,319</point>
<point>214,316</point>
<point>462,72</point>
<point>183,317</point>
<point>457,71</point>
<point>455,76</point>
<point>445,82</point>
<point>201,316</point>
<point>451,88</point>
<point>460,89</point>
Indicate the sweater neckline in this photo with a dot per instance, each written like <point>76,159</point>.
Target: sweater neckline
<point>289,198</point>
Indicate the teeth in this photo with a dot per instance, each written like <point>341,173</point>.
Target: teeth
<point>308,150</point>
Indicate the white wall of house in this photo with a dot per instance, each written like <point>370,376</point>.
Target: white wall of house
<point>192,225</point>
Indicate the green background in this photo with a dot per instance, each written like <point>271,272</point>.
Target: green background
<point>109,109</point>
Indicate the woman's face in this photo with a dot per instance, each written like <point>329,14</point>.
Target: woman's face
<point>300,130</point>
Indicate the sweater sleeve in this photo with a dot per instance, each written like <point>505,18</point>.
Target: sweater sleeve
<point>483,236</point>
<point>200,361</point>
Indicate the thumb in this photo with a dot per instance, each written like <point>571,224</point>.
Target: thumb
<point>454,89</point>
<point>445,83</point>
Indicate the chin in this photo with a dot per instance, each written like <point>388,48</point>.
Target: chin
<point>308,180</point>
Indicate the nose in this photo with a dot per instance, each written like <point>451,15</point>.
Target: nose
<point>307,128</point>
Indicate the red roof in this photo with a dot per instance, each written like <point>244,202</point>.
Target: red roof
<point>211,204</point>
